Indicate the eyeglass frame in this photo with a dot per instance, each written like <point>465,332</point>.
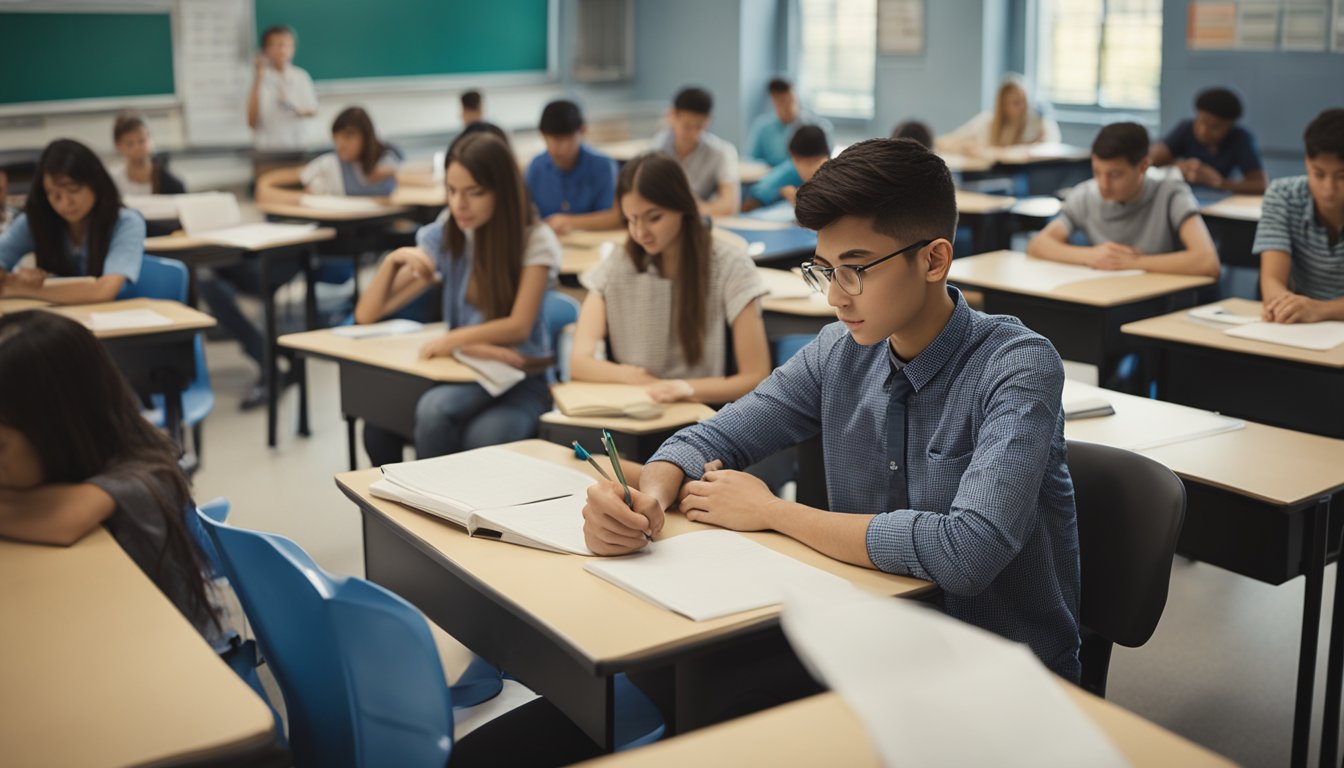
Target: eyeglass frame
<point>828,273</point>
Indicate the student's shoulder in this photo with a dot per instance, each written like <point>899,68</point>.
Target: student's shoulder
<point>718,144</point>
<point>131,218</point>
<point>1292,190</point>
<point>590,154</point>
<point>541,242</point>
<point>1010,348</point>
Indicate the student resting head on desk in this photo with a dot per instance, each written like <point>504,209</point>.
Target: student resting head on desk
<point>573,185</point>
<point>665,305</point>
<point>709,161</point>
<point>808,149</point>
<point>1209,149</point>
<point>1299,235</point>
<point>74,223</point>
<point>360,165</point>
<point>942,429</point>
<point>495,261</point>
<point>1132,221</point>
<point>141,173</point>
<point>76,453</point>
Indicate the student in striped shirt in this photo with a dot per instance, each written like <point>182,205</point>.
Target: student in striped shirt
<point>1298,239</point>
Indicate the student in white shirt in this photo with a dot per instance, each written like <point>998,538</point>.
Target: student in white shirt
<point>709,161</point>
<point>360,165</point>
<point>282,97</point>
<point>141,173</point>
<point>1011,122</point>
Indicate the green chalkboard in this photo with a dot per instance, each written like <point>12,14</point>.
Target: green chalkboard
<point>346,39</point>
<point>60,56</point>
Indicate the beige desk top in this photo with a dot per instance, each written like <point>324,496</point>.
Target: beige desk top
<point>602,622</point>
<point>1181,327</point>
<point>995,271</point>
<point>981,203</point>
<point>184,318</point>
<point>396,353</point>
<point>9,306</point>
<point>100,669</point>
<point>823,730</point>
<point>181,242</point>
<point>675,415</point>
<point>294,211</point>
<point>576,261</point>
<point>784,298</point>
<point>434,195</point>
<point>1236,207</point>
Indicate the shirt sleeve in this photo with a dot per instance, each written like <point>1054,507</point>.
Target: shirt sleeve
<point>542,250</point>
<point>1182,205</point>
<point>766,191</point>
<point>126,251</point>
<point>606,188</point>
<point>1073,211</point>
<point>1273,232</point>
<point>304,96</point>
<point>390,160</point>
<point>727,172</point>
<point>1247,153</point>
<point>16,242</point>
<point>599,275</point>
<point>742,284</point>
<point>1050,133</point>
<point>429,238</point>
<point>756,140</point>
<point>169,184</point>
<point>976,129</point>
<point>994,511</point>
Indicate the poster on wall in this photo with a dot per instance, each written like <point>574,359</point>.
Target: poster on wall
<point>1305,26</point>
<point>900,27</point>
<point>1257,26</point>
<point>1337,34</point>
<point>1211,26</point>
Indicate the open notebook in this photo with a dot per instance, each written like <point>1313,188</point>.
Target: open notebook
<point>1322,336</point>
<point>215,218</point>
<point>585,400</point>
<point>495,493</point>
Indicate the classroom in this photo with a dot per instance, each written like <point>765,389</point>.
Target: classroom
<point>640,383</point>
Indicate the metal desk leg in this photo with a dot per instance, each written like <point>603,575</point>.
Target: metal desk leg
<point>271,362</point>
<point>1334,669</point>
<point>299,363</point>
<point>350,442</point>
<point>1314,546</point>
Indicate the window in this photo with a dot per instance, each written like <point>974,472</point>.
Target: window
<point>839,56</point>
<point>1100,53</point>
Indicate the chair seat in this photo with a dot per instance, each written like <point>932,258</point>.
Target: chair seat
<point>197,403</point>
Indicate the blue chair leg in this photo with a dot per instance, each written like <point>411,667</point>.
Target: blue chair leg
<point>479,683</point>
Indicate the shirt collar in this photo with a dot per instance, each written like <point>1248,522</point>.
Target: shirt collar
<point>931,360</point>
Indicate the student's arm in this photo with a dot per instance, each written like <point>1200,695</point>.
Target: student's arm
<point>726,201</point>
<point>1199,256</point>
<point>583,362</point>
<point>54,514</point>
<point>969,138</point>
<point>510,330</point>
<point>1282,305</point>
<point>254,94</point>
<point>404,274</point>
<point>1253,179</point>
<point>752,353</point>
<point>1052,243</point>
<point>281,185</point>
<point>105,288</point>
<point>1274,268</point>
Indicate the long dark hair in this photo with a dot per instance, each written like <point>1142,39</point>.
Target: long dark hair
<point>498,265</point>
<point>356,119</point>
<point>61,391</point>
<point>66,158</point>
<point>658,178</point>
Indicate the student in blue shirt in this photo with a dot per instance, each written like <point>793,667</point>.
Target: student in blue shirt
<point>768,140</point>
<point>942,428</point>
<point>1211,149</point>
<point>808,149</point>
<point>572,184</point>
<point>495,262</point>
<point>75,225</point>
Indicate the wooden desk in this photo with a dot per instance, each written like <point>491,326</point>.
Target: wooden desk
<point>987,218</point>
<point>1081,319</point>
<point>561,631</point>
<point>1049,167</point>
<point>100,669</point>
<point>1232,221</point>
<point>637,439</point>
<point>1198,364</point>
<point>1235,208</point>
<point>792,306</point>
<point>381,379</point>
<point>823,730</point>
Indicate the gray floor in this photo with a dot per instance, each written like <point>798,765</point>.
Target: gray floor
<point>1221,669</point>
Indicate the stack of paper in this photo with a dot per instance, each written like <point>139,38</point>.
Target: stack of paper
<point>494,376</point>
<point>1140,424</point>
<point>587,400</point>
<point>214,217</point>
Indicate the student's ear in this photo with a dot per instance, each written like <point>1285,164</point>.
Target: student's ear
<point>1143,164</point>
<point>938,260</point>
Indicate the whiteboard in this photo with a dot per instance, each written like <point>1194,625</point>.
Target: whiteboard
<point>212,52</point>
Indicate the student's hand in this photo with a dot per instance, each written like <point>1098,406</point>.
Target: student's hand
<point>415,260</point>
<point>506,355</point>
<point>1111,256</point>
<point>612,528</point>
<point>560,223</point>
<point>669,390</point>
<point>30,277</point>
<point>729,499</point>
<point>790,193</point>
<point>1188,167</point>
<point>1205,176</point>
<point>1292,308</point>
<point>443,346</point>
<point>633,374</point>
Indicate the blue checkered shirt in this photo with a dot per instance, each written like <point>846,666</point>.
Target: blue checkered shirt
<point>991,516</point>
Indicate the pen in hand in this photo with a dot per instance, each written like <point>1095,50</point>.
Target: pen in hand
<point>615,457</point>
<point>583,453</point>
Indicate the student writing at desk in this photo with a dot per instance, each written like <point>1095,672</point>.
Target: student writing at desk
<point>1132,221</point>
<point>1298,238</point>
<point>74,223</point>
<point>1212,148</point>
<point>672,276</point>
<point>141,173</point>
<point>808,149</point>
<point>942,427</point>
<point>709,161</point>
<point>496,262</point>
<point>75,453</point>
<point>572,184</point>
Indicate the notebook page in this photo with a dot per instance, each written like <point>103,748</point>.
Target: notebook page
<point>487,478</point>
<point>256,236</point>
<point>1142,424</point>
<point>127,318</point>
<point>708,574</point>
<point>439,506</point>
<point>556,523</point>
<point>495,376</point>
<point>1318,336</point>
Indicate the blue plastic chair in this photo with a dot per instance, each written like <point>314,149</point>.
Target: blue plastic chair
<point>559,310</point>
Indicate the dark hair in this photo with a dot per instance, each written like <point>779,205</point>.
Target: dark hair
<point>497,264</point>
<point>130,120</point>
<point>62,392</point>
<point>1219,102</point>
<point>693,99</point>
<point>1325,134</point>
<point>70,159</point>
<point>561,118</point>
<point>1127,140</point>
<point>809,141</point>
<point>471,99</point>
<point>779,86</point>
<point>915,130</point>
<point>660,179</point>
<point>480,126</point>
<point>277,29</point>
<point>357,120</point>
<point>903,187</point>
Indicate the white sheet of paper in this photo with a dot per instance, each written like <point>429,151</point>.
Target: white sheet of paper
<point>1216,314</point>
<point>262,234</point>
<point>339,203</point>
<point>127,318</point>
<point>487,478</point>
<point>1318,336</point>
<point>558,523</point>
<point>1159,424</point>
<point>207,212</point>
<point>934,691</point>
<point>392,327</point>
<point>496,377</point>
<point>785,284</point>
<point>748,224</point>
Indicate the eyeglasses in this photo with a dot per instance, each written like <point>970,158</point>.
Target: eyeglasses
<point>849,277</point>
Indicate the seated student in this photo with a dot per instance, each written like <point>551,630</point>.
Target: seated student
<point>915,130</point>
<point>942,427</point>
<point>473,110</point>
<point>360,166</point>
<point>572,184</point>
<point>1011,122</point>
<point>495,261</point>
<point>664,306</point>
<point>75,225</point>
<point>75,453</point>
<point>1210,149</point>
<point>808,149</point>
<point>709,161</point>
<point>1299,235</point>
<point>281,100</point>
<point>768,140</point>
<point>1132,221</point>
<point>141,173</point>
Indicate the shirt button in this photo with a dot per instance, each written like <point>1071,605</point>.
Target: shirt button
<point>893,466</point>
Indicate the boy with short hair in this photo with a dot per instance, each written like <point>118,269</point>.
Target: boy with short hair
<point>942,427</point>
<point>282,97</point>
<point>808,149</point>
<point>1133,222</point>
<point>572,185</point>
<point>768,140</point>
<point>1298,238</point>
<point>915,130</point>
<point>1211,148</point>
<point>709,161</point>
<point>473,111</point>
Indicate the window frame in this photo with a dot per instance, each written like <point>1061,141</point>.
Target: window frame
<point>1095,111</point>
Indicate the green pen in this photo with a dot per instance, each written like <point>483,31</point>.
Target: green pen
<point>610,444</point>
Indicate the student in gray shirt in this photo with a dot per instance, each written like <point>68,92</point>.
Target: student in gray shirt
<point>709,161</point>
<point>1132,221</point>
